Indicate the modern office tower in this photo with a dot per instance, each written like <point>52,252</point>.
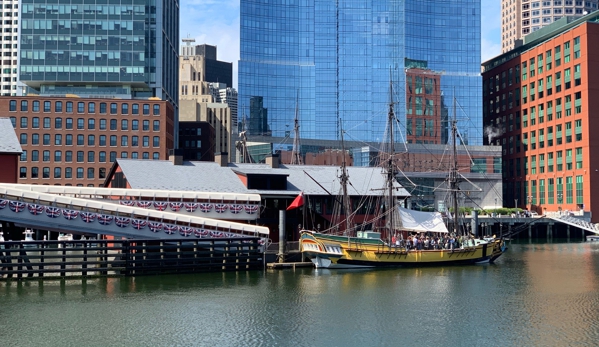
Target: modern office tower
<point>105,70</point>
<point>9,47</point>
<point>206,68</point>
<point>540,102</point>
<point>340,56</point>
<point>522,17</point>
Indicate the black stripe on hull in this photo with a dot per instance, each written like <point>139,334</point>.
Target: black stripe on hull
<point>412,264</point>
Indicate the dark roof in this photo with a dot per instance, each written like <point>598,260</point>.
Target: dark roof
<point>9,143</point>
<point>211,177</point>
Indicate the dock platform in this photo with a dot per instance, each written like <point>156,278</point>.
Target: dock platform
<point>289,265</point>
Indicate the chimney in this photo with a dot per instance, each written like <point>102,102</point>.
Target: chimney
<point>221,158</point>
<point>175,156</point>
<point>273,161</point>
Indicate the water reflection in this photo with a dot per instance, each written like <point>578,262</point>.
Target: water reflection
<point>537,295</point>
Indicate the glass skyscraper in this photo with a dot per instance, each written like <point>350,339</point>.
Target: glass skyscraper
<point>335,58</point>
<point>101,48</point>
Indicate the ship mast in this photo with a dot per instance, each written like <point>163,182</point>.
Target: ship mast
<point>390,170</point>
<point>344,178</point>
<point>453,173</point>
<point>296,157</point>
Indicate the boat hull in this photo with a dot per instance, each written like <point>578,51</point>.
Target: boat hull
<point>330,251</point>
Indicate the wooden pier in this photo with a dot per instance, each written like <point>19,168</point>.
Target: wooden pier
<point>94,258</point>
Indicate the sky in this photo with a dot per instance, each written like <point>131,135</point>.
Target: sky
<point>216,22</point>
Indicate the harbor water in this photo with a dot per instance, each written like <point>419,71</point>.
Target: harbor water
<point>536,295</point>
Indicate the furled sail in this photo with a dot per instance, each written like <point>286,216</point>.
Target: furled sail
<point>420,221</point>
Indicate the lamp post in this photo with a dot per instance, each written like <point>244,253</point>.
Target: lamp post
<point>559,201</point>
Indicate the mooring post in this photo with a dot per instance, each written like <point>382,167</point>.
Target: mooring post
<point>281,255</point>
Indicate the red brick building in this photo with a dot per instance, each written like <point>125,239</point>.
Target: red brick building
<point>538,102</point>
<point>74,141</point>
<point>10,150</point>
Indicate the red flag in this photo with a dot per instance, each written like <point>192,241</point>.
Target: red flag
<point>297,202</point>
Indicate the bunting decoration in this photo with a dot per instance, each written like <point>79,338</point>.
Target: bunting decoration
<point>144,204</point>
<point>221,208</point>
<point>138,224</point>
<point>251,209</point>
<point>122,222</point>
<point>176,206</point>
<point>206,207</point>
<point>16,206</point>
<point>70,214</point>
<point>104,219</point>
<point>170,229</point>
<point>185,231</point>
<point>127,202</point>
<point>35,209</point>
<point>53,212</point>
<point>191,206</point>
<point>200,233</point>
<point>88,217</point>
<point>235,209</point>
<point>155,227</point>
<point>3,203</point>
<point>160,205</point>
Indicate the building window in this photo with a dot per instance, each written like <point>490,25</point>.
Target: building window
<point>113,140</point>
<point>23,122</point>
<point>36,106</point>
<point>124,155</point>
<point>102,172</point>
<point>113,109</point>
<point>124,141</point>
<point>47,107</point>
<point>102,124</point>
<point>135,109</point>
<point>58,106</point>
<point>34,172</point>
<point>155,156</point>
<point>145,155</point>
<point>69,140</point>
<point>156,141</point>
<point>80,107</point>
<point>156,125</point>
<point>35,122</point>
<point>35,139</point>
<point>124,108</point>
<point>146,109</point>
<point>57,172</point>
<point>91,107</point>
<point>135,124</point>
<point>23,139</point>
<point>102,140</point>
<point>57,156</point>
<point>24,107</point>
<point>80,123</point>
<point>91,140</point>
<point>57,139</point>
<point>124,124</point>
<point>68,172</point>
<point>146,125</point>
<point>146,141</point>
<point>47,123</point>
<point>134,155</point>
<point>80,156</point>
<point>46,172</point>
<point>102,107</point>
<point>23,156</point>
<point>134,141</point>
<point>80,139</point>
<point>69,123</point>
<point>113,124</point>
<point>79,172</point>
<point>91,156</point>
<point>13,121</point>
<point>12,105</point>
<point>112,157</point>
<point>102,157</point>
<point>58,123</point>
<point>69,106</point>
<point>46,140</point>
<point>156,110</point>
<point>23,172</point>
<point>68,156</point>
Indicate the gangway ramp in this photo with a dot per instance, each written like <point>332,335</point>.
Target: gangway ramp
<point>228,206</point>
<point>577,222</point>
<point>53,212</point>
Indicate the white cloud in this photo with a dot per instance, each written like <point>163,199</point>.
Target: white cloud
<point>490,29</point>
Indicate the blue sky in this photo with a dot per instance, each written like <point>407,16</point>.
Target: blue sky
<point>216,22</point>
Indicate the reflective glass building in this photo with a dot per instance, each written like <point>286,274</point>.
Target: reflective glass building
<point>100,48</point>
<point>339,57</point>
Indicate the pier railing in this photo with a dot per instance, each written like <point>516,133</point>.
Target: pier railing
<point>93,258</point>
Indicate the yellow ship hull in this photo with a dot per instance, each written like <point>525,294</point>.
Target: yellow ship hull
<point>331,251</point>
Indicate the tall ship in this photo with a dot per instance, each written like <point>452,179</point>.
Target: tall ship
<point>398,236</point>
